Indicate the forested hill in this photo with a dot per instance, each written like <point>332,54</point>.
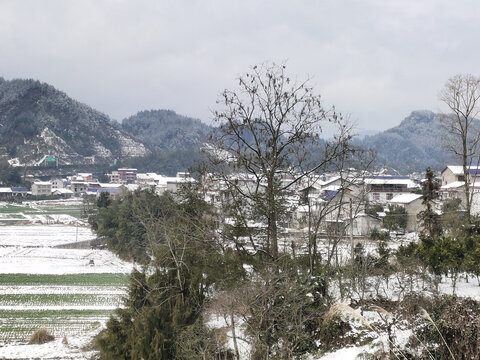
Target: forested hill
<point>418,142</point>
<point>175,140</point>
<point>164,129</point>
<point>38,120</point>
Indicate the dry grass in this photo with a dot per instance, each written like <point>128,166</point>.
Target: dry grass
<point>41,336</point>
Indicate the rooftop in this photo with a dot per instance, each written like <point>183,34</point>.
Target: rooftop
<point>405,198</point>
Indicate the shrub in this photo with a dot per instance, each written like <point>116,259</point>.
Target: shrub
<point>41,336</point>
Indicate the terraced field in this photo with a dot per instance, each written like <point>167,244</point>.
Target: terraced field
<point>70,292</point>
<point>46,211</point>
<point>67,305</point>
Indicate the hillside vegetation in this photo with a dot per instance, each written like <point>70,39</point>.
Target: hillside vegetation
<point>37,120</point>
<point>413,145</point>
<point>175,140</point>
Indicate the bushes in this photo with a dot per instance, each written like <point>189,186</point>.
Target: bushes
<point>41,336</point>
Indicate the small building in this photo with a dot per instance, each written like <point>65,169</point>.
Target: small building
<point>364,224</point>
<point>455,173</point>
<point>5,192</point>
<point>57,183</point>
<point>127,175</point>
<point>79,187</point>
<point>413,205</point>
<point>65,193</point>
<point>382,189</point>
<point>20,191</point>
<point>42,188</point>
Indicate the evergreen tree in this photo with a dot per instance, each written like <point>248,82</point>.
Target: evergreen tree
<point>396,218</point>
<point>185,263</point>
<point>429,219</point>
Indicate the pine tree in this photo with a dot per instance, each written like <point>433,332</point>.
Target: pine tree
<point>429,219</point>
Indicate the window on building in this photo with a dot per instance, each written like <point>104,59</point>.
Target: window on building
<point>376,196</point>
<point>389,196</point>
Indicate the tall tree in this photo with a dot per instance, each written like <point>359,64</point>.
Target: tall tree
<point>461,94</point>
<point>266,127</point>
<point>429,218</point>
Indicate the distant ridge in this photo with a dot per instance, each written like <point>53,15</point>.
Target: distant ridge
<point>175,140</point>
<point>37,120</point>
<point>413,145</point>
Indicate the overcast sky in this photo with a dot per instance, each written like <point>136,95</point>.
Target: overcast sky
<point>376,60</point>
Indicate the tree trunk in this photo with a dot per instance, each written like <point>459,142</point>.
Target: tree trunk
<point>234,336</point>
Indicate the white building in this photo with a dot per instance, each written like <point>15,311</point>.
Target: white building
<point>382,189</point>
<point>57,183</point>
<point>42,188</point>
<point>413,205</point>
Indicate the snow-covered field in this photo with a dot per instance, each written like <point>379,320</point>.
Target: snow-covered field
<point>44,260</point>
<point>71,292</point>
<point>43,235</point>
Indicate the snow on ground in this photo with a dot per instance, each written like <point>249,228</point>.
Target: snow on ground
<point>31,249</point>
<point>218,321</point>
<point>24,260</point>
<point>347,353</point>
<point>56,349</point>
<point>43,235</point>
<point>54,289</point>
<point>57,307</point>
<point>52,219</point>
<point>462,289</point>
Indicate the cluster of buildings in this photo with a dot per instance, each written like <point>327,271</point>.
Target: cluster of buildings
<point>336,200</point>
<point>120,182</point>
<point>346,201</point>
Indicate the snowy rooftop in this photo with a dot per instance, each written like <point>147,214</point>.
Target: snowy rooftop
<point>150,176</point>
<point>42,183</point>
<point>458,170</point>
<point>405,198</point>
<point>453,185</point>
<point>62,191</point>
<point>390,181</point>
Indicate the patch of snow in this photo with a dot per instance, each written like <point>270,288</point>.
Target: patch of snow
<point>347,353</point>
<point>129,147</point>
<point>14,162</point>
<point>56,289</point>
<point>46,260</point>
<point>56,349</point>
<point>43,235</point>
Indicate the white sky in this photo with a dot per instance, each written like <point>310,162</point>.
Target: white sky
<point>376,60</point>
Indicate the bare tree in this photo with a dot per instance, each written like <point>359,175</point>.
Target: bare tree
<point>265,128</point>
<point>461,94</point>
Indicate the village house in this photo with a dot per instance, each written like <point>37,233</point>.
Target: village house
<point>364,224</point>
<point>57,183</point>
<point>127,175</point>
<point>61,192</point>
<point>42,188</point>
<point>20,191</point>
<point>382,189</point>
<point>455,173</point>
<point>116,191</point>
<point>123,176</point>
<point>412,203</point>
<point>336,208</point>
<point>453,186</point>
<point>78,187</point>
<point>5,192</point>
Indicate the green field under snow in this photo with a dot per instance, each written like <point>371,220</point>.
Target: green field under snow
<point>68,305</point>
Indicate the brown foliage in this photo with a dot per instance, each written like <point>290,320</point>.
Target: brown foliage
<point>41,336</point>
